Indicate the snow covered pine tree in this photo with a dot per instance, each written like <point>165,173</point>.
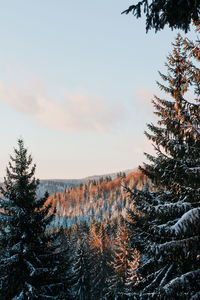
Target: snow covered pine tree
<point>100,255</point>
<point>80,273</point>
<point>124,264</point>
<point>168,218</point>
<point>28,262</point>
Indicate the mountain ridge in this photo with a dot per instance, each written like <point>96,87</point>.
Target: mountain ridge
<point>90,177</point>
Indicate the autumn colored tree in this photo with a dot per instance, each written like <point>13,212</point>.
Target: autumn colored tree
<point>100,255</point>
<point>125,261</point>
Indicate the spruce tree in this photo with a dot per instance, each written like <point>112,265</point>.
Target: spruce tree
<point>98,241</point>
<point>28,263</point>
<point>125,261</point>
<point>159,13</point>
<point>167,218</point>
<point>80,272</point>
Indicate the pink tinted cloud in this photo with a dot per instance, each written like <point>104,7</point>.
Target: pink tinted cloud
<point>19,98</point>
<point>78,111</point>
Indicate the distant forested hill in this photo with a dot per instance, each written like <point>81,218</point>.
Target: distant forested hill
<point>100,199</point>
<point>53,186</point>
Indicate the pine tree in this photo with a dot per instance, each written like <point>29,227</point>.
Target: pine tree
<point>80,273</point>
<point>124,264</point>
<point>28,264</point>
<point>167,219</point>
<point>98,241</point>
<point>159,13</point>
<point>192,122</point>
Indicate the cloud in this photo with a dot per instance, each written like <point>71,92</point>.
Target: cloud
<point>145,97</point>
<point>19,98</point>
<point>78,111</point>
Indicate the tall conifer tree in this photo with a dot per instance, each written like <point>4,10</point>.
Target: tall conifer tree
<point>80,273</point>
<point>167,219</point>
<point>124,264</point>
<point>99,257</point>
<point>28,266</point>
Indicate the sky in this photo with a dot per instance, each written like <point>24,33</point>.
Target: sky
<point>76,83</point>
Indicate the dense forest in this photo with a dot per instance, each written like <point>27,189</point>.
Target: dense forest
<point>102,200</point>
<point>134,237</point>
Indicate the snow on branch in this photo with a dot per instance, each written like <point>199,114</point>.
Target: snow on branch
<point>47,297</point>
<point>166,275</point>
<point>189,221</point>
<point>29,287</point>
<point>169,208</point>
<point>184,248</point>
<point>4,218</point>
<point>28,290</point>
<point>38,271</point>
<point>11,260</point>
<point>17,246</point>
<point>30,267</point>
<point>156,280</point>
<point>185,282</point>
<point>20,297</point>
<point>4,202</point>
<point>196,296</point>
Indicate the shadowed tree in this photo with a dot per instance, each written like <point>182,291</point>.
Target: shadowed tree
<point>177,14</point>
<point>80,273</point>
<point>29,264</point>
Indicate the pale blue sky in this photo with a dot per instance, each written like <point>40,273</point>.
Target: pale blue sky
<point>76,82</point>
